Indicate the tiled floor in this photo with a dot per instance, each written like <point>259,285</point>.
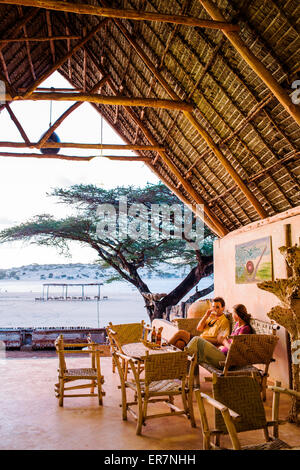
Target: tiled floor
<point>31,418</point>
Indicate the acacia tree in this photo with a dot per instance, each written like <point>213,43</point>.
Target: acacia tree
<point>126,254</point>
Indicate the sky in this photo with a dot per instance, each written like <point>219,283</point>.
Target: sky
<point>25,182</point>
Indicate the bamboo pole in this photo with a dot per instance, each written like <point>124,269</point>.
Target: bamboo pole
<point>204,134</point>
<point>49,26</point>
<point>107,100</point>
<point>17,124</point>
<point>52,155</point>
<point>254,63</point>
<point>84,9</point>
<point>69,111</point>
<point>38,39</point>
<point>37,145</point>
<point>75,158</point>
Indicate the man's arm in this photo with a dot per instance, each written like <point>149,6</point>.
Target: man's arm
<point>202,323</point>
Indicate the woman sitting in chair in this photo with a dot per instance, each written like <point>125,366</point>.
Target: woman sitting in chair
<point>207,352</point>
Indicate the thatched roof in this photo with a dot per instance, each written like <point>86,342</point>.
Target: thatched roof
<point>237,148</point>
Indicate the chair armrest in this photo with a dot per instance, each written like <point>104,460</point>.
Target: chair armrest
<point>219,405</point>
<point>287,391</point>
<point>123,356</point>
<point>112,332</point>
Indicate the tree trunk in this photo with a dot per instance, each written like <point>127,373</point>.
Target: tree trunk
<point>191,280</point>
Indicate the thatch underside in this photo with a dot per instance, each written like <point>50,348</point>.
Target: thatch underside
<point>249,126</point>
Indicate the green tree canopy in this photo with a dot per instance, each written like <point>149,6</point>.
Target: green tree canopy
<point>126,254</point>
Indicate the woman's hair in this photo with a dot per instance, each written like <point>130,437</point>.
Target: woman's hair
<point>241,311</point>
<point>219,299</point>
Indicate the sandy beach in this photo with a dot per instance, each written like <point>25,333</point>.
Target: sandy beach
<point>124,304</point>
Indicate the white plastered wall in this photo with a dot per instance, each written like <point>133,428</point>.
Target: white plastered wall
<point>257,301</point>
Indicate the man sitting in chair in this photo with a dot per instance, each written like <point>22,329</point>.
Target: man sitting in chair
<point>212,345</point>
<point>212,326</point>
<point>214,323</point>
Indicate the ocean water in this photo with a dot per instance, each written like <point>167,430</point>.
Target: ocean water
<point>120,302</point>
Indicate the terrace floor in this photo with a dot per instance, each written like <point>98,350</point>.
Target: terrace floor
<point>32,420</point>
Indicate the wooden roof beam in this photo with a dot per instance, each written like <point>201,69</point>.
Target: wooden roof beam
<point>209,218</point>
<point>19,25</point>
<point>38,39</point>
<point>27,46</point>
<point>49,26</point>
<point>221,230</point>
<point>74,158</point>
<point>84,9</point>
<point>17,124</point>
<point>144,148</point>
<point>101,99</point>
<point>254,63</point>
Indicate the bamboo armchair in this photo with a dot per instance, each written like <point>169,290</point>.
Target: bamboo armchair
<point>65,375</point>
<point>244,352</point>
<point>242,395</point>
<point>165,376</point>
<point>125,333</point>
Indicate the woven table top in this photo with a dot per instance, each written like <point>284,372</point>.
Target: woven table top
<point>138,350</point>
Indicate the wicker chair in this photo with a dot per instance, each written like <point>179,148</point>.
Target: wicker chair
<point>65,375</point>
<point>165,376</point>
<point>244,352</point>
<point>241,394</point>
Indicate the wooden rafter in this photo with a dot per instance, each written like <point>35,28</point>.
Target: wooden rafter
<point>19,25</point>
<point>60,62</point>
<point>49,26</point>
<point>5,70</point>
<point>84,68</point>
<point>38,39</point>
<point>254,63</point>
<point>74,158</point>
<point>216,226</point>
<point>68,47</point>
<point>168,162</point>
<point>203,133</point>
<point>27,46</point>
<point>103,99</point>
<point>20,145</point>
<point>84,9</point>
<point>17,123</point>
<point>260,107</point>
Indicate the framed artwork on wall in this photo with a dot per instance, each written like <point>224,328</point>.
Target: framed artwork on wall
<point>253,261</point>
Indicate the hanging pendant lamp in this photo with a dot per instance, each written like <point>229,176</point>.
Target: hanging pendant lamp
<point>53,137</point>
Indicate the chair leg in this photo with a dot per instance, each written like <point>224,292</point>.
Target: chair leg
<point>140,414</point>
<point>61,392</point>
<point>191,408</point>
<point>100,399</point>
<point>171,400</point>
<point>264,388</point>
